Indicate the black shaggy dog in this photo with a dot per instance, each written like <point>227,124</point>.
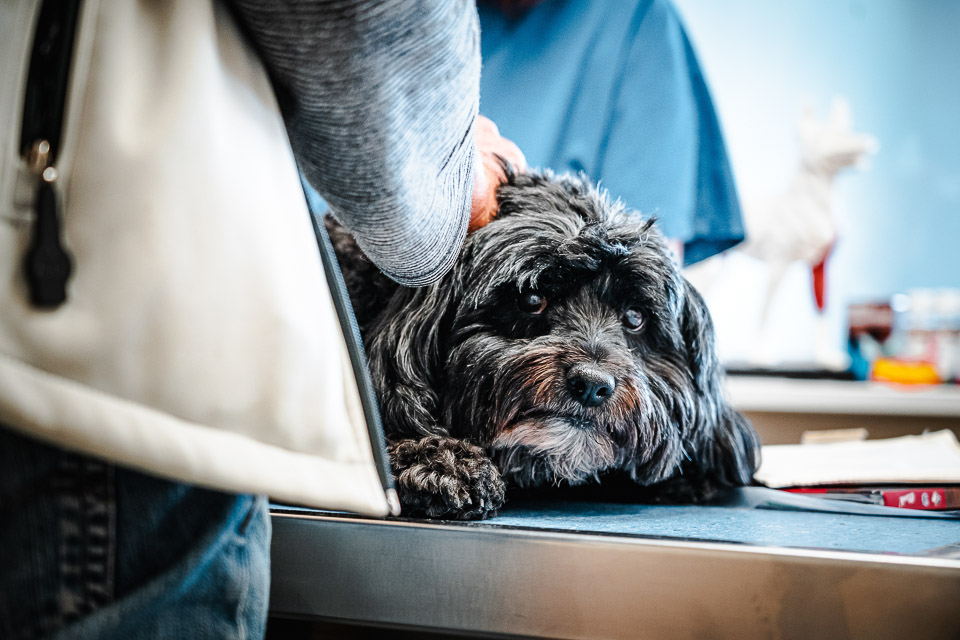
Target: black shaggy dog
<point>563,348</point>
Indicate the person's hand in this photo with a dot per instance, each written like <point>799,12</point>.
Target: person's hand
<point>489,175</point>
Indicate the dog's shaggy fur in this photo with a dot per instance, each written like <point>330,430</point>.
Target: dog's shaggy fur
<point>562,348</point>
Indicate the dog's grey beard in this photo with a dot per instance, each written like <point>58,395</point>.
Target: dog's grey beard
<point>550,450</point>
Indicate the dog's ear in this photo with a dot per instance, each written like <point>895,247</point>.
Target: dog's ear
<point>731,454</point>
<point>726,445</point>
<point>406,354</point>
<point>696,330</point>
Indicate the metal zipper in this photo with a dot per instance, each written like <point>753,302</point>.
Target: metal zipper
<point>358,359</point>
<point>47,263</point>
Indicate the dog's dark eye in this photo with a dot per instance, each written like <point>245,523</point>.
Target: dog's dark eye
<point>632,320</point>
<point>532,303</point>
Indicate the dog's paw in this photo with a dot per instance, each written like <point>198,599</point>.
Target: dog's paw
<point>448,478</point>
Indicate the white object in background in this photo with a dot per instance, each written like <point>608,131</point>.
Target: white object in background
<point>800,223</point>
<point>918,323</point>
<point>948,333</point>
<point>833,436</point>
<point>927,328</point>
<point>931,457</point>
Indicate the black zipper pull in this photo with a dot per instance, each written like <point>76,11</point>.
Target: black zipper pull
<point>47,262</point>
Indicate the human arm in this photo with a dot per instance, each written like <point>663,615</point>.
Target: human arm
<point>380,103</point>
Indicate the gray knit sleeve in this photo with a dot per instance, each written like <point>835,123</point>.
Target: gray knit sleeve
<point>380,99</point>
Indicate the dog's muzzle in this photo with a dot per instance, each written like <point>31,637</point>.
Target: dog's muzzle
<point>590,385</point>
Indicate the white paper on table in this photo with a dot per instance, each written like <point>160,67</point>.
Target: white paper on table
<point>928,458</point>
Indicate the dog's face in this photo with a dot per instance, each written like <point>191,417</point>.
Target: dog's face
<point>568,345</point>
<point>564,345</point>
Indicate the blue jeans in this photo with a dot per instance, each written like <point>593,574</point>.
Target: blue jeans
<point>92,550</point>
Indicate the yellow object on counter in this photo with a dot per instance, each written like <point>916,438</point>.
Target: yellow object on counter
<point>904,372</point>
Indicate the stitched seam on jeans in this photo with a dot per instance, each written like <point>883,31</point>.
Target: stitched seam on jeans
<point>252,508</point>
<point>99,507</point>
<point>87,508</point>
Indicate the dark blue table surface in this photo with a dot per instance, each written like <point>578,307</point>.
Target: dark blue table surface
<point>744,517</point>
<point>762,527</point>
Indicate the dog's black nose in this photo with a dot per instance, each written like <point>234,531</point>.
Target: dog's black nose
<point>589,385</point>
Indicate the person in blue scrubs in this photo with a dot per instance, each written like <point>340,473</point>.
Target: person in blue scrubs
<point>614,89</point>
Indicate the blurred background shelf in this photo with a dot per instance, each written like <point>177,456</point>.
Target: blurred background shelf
<point>750,393</point>
<point>782,409</point>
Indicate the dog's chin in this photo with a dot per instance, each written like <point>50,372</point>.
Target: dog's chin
<point>536,452</point>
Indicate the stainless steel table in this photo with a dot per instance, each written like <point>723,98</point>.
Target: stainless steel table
<point>563,570</point>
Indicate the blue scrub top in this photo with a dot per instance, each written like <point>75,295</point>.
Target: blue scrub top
<point>613,89</point>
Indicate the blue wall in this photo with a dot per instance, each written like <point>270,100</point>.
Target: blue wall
<point>898,63</point>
